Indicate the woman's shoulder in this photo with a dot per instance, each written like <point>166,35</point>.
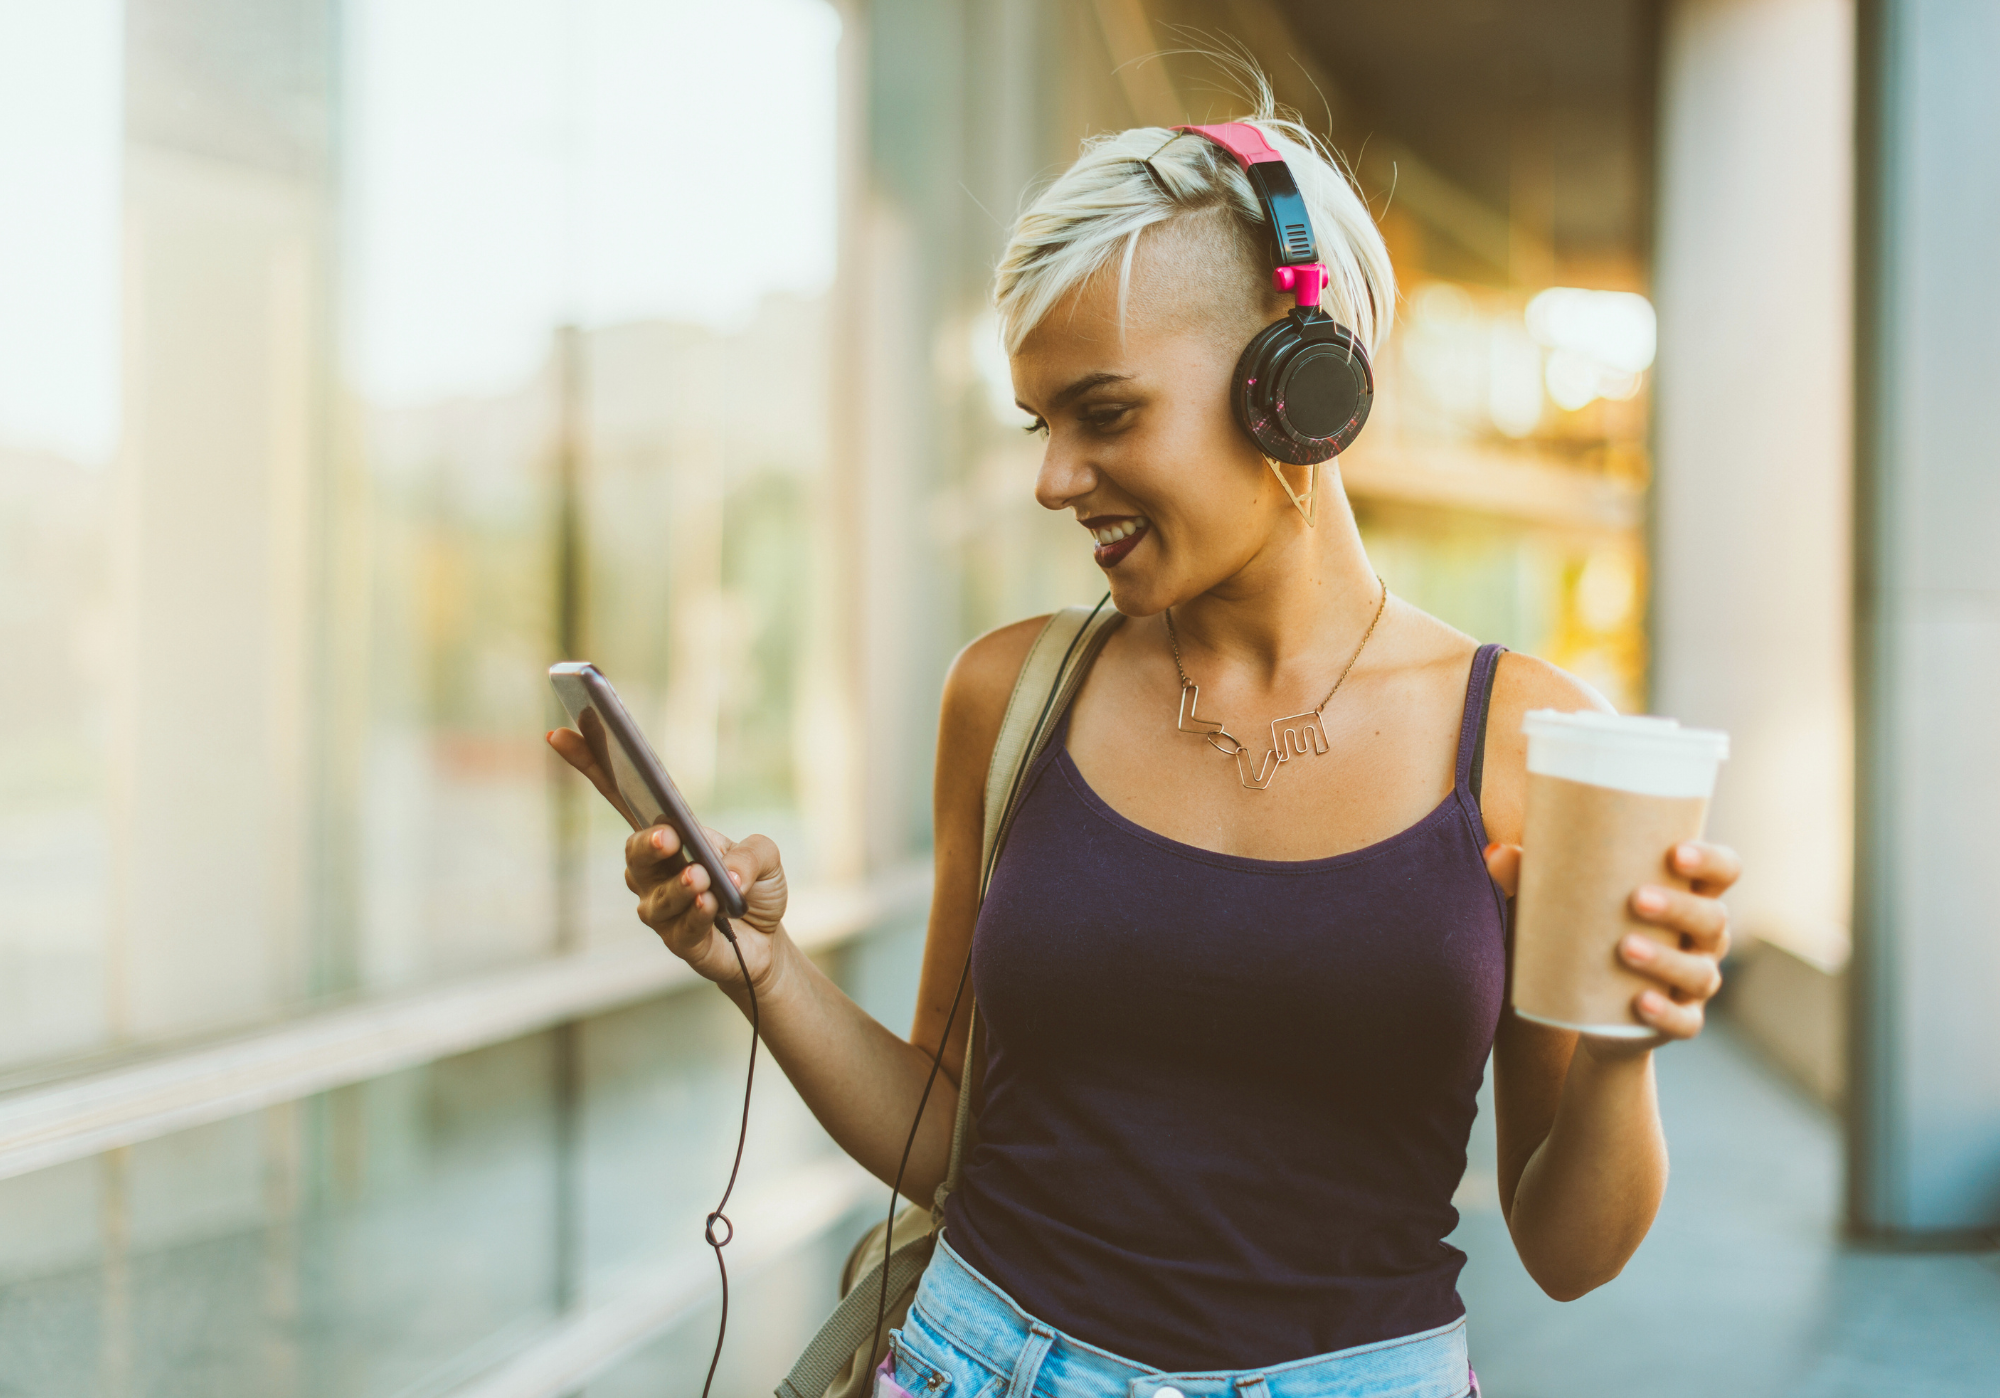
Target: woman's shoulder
<point>1523,682</point>
<point>993,661</point>
<point>1520,683</point>
<point>1442,653</point>
<point>979,683</point>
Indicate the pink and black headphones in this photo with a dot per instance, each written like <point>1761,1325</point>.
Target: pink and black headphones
<point>1303,386</point>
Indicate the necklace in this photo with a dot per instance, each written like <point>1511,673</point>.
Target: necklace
<point>1296,735</point>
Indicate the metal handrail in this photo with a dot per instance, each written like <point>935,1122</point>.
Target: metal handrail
<point>97,1110</point>
<point>784,1216</point>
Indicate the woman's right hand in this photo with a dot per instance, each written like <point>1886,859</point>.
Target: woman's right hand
<point>677,900</point>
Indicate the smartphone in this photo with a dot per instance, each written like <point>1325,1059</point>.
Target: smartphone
<point>642,780</point>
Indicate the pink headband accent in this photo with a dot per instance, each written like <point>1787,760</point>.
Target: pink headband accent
<point>1244,141</point>
<point>1240,139</point>
<point>1304,280</point>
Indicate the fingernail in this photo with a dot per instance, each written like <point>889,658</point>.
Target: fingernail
<point>1650,900</point>
<point>736,878</point>
<point>1653,1003</point>
<point>687,876</point>
<point>1639,948</point>
<point>1687,856</point>
<point>1491,846</point>
<point>659,839</point>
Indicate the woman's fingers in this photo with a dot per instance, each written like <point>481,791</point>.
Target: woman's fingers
<point>753,859</point>
<point>1703,921</point>
<point>677,895</point>
<point>653,845</point>
<point>679,901</point>
<point>1689,975</point>
<point>656,871</point>
<point>1673,1020</point>
<point>571,747</point>
<point>1710,868</point>
<point>654,852</point>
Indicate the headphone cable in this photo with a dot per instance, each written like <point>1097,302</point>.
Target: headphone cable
<point>742,1135</point>
<point>896,1189</point>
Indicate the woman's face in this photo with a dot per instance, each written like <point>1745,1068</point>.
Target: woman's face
<point>1142,447</point>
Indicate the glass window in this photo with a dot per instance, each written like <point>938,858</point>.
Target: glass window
<point>357,361</point>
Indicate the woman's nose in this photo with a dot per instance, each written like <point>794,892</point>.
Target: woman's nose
<point>1065,474</point>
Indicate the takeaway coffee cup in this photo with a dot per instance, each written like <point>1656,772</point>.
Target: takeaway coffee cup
<point>1608,797</point>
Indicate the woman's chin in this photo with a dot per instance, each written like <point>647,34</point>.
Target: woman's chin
<point>1135,593</point>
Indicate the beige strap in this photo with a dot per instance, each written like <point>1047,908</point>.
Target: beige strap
<point>853,1320</point>
<point>1050,677</point>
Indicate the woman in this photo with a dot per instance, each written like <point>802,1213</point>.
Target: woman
<point>1236,1016</point>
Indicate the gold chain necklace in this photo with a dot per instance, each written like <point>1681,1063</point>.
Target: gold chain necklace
<point>1296,735</point>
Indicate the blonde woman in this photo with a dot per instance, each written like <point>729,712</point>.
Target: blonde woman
<point>1236,1010</point>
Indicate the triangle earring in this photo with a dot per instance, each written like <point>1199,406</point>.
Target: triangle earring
<point>1303,505</point>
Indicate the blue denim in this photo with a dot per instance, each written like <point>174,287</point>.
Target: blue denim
<point>965,1338</point>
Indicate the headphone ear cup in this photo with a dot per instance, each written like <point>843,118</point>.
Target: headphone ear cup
<point>1302,390</point>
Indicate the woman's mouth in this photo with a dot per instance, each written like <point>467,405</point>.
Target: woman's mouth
<point>1116,535</point>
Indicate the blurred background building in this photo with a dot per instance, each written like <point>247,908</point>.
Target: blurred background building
<point>360,358</point>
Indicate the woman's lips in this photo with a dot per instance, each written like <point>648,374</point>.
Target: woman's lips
<point>1116,535</point>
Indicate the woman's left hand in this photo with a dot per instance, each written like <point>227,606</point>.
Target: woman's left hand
<point>1690,974</point>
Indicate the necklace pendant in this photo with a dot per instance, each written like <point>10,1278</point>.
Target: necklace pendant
<point>1296,735</point>
<point>1300,735</point>
<point>1202,727</point>
<point>1266,770</point>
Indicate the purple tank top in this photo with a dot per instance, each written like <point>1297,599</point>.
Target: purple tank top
<point>1227,1100</point>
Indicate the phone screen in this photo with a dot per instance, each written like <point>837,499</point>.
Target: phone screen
<point>649,794</point>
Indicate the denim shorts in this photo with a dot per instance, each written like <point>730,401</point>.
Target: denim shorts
<point>965,1338</point>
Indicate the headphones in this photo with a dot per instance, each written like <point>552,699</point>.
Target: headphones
<point>1303,386</point>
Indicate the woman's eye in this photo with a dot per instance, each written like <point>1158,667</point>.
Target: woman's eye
<point>1037,428</point>
<point>1105,418</point>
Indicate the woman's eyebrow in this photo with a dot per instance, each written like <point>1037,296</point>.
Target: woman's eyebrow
<point>1077,390</point>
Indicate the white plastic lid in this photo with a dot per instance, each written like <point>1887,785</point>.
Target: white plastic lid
<point>1630,752</point>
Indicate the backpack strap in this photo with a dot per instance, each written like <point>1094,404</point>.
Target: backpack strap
<point>1050,678</point>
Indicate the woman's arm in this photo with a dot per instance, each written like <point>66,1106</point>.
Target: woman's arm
<point>858,1078</point>
<point>1582,1155</point>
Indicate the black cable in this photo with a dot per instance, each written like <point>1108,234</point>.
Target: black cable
<point>742,1135</point>
<point>896,1189</point>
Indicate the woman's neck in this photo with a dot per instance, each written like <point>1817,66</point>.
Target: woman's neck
<point>1299,600</point>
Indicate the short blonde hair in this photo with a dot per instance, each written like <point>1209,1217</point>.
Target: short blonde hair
<point>1126,183</point>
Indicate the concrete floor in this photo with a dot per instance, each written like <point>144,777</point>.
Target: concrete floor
<point>1744,1289</point>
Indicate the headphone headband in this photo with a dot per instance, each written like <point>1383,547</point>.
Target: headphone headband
<point>1302,388</point>
<point>1240,139</point>
<point>1284,206</point>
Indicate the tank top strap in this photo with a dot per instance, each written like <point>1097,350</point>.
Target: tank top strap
<point>1472,725</point>
<point>1057,745</point>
